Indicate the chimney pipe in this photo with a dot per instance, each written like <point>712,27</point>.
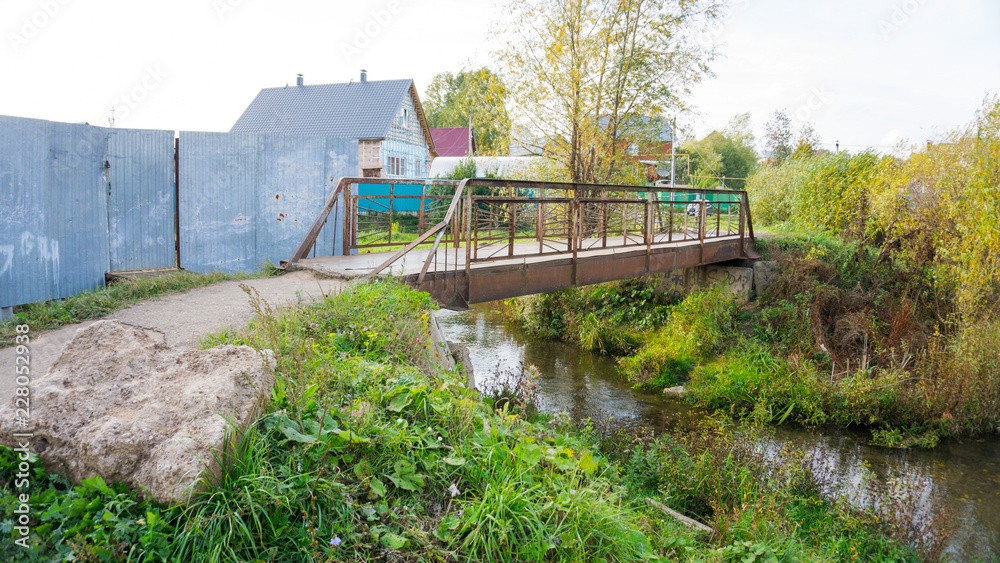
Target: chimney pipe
<point>299,80</point>
<point>364,75</point>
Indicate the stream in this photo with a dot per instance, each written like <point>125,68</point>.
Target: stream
<point>965,473</point>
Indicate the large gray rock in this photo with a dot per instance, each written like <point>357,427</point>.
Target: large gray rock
<point>121,405</point>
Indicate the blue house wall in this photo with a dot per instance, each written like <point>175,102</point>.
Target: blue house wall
<point>406,140</point>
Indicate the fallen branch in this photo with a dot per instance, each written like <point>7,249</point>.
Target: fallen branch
<point>690,523</point>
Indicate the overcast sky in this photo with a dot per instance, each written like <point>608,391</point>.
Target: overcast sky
<point>868,73</point>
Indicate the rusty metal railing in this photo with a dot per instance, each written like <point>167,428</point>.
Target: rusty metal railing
<point>369,218</point>
<point>503,219</point>
<point>563,218</point>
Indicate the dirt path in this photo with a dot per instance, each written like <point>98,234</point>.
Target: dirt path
<point>181,319</point>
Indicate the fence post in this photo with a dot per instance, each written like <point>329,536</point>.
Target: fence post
<point>468,244</point>
<point>177,202</point>
<point>743,251</point>
<point>670,209</point>
<point>348,220</point>
<point>604,222</point>
<point>513,227</point>
<point>420,216</point>
<point>474,229</point>
<point>391,193</point>
<point>647,222</point>
<point>718,217</point>
<point>702,220</point>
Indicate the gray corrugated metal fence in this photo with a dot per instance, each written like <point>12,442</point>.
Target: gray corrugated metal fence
<point>53,210</point>
<point>141,199</point>
<point>248,198</point>
<point>78,201</point>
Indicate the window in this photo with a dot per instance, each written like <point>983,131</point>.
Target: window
<point>405,118</point>
<point>397,166</point>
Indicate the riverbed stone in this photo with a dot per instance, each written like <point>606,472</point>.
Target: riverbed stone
<point>463,360</point>
<point>121,405</point>
<point>678,391</point>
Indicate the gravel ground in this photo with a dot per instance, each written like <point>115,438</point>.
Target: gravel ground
<point>181,319</point>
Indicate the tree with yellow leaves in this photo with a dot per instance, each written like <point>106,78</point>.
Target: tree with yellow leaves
<point>593,80</point>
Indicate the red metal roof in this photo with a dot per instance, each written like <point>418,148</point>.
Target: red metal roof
<point>452,141</point>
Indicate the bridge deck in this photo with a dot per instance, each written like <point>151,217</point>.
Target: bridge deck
<point>525,253</point>
<point>525,272</point>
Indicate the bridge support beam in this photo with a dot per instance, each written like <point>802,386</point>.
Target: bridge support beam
<point>503,281</point>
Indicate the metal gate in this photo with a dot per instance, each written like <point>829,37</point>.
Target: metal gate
<point>139,171</point>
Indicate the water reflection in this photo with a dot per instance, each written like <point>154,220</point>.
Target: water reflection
<point>586,385</point>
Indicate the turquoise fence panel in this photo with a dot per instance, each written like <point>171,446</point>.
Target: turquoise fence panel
<point>398,205</point>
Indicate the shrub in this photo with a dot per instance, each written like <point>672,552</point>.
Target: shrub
<point>693,332</point>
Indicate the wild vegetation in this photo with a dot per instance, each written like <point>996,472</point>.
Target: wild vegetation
<point>368,451</point>
<point>475,98</point>
<point>722,159</point>
<point>882,310</point>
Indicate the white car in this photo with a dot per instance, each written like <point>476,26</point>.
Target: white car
<point>694,208</point>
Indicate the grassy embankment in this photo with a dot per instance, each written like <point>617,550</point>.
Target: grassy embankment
<point>369,452</point>
<point>884,310</point>
<point>50,315</point>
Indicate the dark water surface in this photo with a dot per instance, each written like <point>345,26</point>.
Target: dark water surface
<point>965,473</point>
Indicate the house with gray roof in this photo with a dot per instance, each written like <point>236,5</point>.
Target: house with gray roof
<point>384,115</point>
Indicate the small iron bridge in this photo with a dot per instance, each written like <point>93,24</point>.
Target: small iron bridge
<point>481,240</point>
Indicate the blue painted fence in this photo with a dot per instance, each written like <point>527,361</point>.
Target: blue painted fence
<point>398,205</point>
<point>53,210</point>
<point>248,198</point>
<point>140,171</point>
<point>78,201</point>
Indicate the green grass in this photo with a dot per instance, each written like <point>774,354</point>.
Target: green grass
<point>50,315</point>
<point>370,452</point>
